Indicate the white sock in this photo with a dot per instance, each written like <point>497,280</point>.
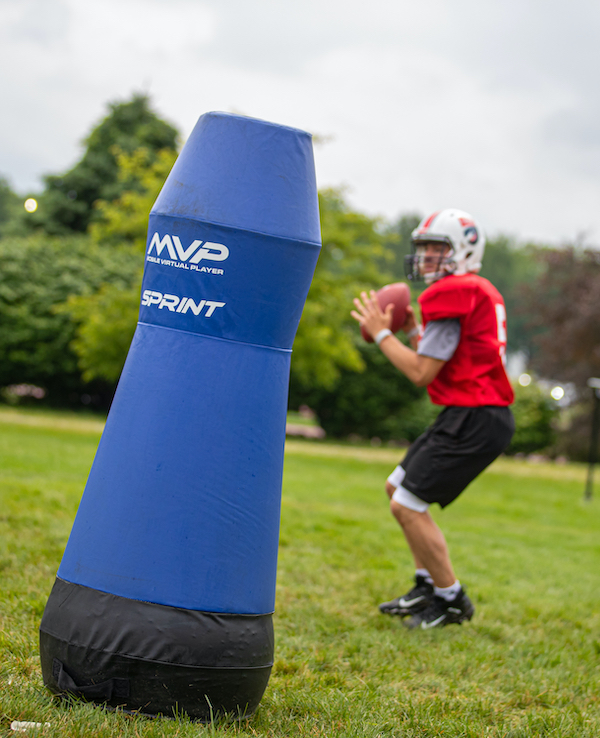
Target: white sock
<point>424,573</point>
<point>448,593</point>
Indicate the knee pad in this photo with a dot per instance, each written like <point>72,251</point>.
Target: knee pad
<point>405,498</point>
<point>396,477</point>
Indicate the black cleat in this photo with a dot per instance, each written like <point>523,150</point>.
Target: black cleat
<point>411,603</point>
<point>440,612</point>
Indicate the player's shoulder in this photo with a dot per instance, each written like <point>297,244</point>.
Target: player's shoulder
<point>446,298</point>
<point>447,286</point>
<point>455,284</point>
<point>456,296</point>
<point>483,285</point>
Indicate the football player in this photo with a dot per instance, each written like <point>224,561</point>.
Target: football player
<point>458,354</point>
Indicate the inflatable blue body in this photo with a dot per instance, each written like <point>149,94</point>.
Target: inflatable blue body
<point>164,596</point>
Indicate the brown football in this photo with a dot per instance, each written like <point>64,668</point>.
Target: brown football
<point>399,295</point>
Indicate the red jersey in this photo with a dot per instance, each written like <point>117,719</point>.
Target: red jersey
<point>475,374</point>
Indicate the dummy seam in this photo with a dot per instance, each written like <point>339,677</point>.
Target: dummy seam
<point>217,338</point>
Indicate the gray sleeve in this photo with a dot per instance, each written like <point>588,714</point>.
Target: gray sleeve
<point>440,339</point>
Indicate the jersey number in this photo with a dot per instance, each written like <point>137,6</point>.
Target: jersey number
<point>501,322</point>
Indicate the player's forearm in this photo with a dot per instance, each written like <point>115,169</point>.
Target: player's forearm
<point>414,341</point>
<point>420,370</point>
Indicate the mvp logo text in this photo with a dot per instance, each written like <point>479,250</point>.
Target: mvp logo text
<point>196,252</point>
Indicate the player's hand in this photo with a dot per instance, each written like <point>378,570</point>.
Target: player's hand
<point>369,315</point>
<point>410,322</point>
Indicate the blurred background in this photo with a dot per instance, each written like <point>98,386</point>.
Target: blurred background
<point>489,107</point>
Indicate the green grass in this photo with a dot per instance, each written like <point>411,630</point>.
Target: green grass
<point>522,541</point>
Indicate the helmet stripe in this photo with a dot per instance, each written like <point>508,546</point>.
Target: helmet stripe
<point>428,222</point>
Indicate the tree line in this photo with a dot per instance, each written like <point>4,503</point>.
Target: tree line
<point>70,276</point>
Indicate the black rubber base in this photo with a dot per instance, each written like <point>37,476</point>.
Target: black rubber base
<point>153,659</point>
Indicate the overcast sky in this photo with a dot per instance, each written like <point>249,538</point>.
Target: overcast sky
<point>491,106</point>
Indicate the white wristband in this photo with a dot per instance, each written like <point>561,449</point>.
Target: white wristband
<point>384,333</point>
<point>416,331</point>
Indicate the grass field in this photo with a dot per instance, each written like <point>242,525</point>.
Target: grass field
<point>523,541</point>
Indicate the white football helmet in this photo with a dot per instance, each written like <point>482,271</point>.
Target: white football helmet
<point>456,229</point>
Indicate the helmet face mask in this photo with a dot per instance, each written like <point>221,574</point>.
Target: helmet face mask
<point>459,233</point>
<point>431,260</point>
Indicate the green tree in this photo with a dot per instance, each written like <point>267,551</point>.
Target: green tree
<point>535,414</point>
<point>142,174</point>
<point>511,267</point>
<point>378,402</point>
<point>106,319</point>
<point>562,305</point>
<point>350,261</point>
<point>10,207</point>
<point>67,203</point>
<point>106,323</point>
<point>397,240</point>
<point>37,274</point>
